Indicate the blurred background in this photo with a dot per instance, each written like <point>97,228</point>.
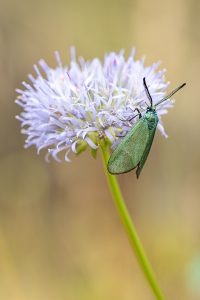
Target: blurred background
<point>60,235</point>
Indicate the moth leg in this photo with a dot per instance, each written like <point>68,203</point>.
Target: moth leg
<point>121,136</point>
<point>139,113</point>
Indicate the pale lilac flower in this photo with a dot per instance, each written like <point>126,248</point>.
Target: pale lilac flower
<point>69,108</point>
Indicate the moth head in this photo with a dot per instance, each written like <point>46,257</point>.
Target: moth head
<point>151,108</point>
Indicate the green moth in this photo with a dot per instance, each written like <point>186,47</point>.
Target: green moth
<point>133,150</point>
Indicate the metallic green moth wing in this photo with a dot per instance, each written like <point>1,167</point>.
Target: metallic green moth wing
<point>146,151</point>
<point>134,148</point>
<point>130,150</point>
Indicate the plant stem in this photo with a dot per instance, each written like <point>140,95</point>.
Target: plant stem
<point>130,228</point>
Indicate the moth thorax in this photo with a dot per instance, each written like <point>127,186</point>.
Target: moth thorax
<point>152,118</point>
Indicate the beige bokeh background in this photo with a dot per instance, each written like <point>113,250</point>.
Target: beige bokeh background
<point>60,235</point>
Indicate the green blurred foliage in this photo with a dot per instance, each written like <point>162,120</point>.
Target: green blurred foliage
<point>60,236</point>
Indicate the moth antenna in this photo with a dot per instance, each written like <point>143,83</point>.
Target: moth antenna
<point>147,92</point>
<point>171,94</point>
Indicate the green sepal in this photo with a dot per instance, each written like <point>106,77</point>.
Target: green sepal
<point>81,147</point>
<point>94,153</point>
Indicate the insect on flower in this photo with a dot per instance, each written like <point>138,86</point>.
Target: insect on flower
<point>68,109</point>
<point>133,150</point>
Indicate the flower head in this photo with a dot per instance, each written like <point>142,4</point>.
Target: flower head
<point>68,109</point>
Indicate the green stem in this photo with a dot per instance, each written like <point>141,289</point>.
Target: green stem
<point>130,228</point>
